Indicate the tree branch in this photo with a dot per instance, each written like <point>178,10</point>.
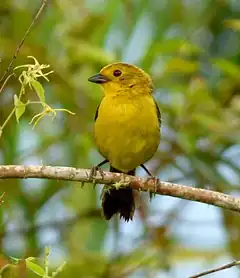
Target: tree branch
<point>226,266</point>
<point>142,184</point>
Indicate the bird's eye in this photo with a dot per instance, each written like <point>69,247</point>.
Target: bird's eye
<point>117,73</point>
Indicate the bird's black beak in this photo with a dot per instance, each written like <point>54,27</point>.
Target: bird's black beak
<point>98,78</point>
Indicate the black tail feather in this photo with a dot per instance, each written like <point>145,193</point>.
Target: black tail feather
<point>118,200</point>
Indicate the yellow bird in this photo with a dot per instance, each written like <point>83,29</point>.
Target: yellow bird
<point>126,131</point>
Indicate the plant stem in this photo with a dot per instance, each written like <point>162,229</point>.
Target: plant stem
<point>8,118</point>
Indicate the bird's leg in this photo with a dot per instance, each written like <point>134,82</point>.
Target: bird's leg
<point>94,170</point>
<point>151,194</point>
<point>146,170</point>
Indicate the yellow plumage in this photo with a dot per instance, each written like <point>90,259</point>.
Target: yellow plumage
<point>127,127</point>
<point>127,130</point>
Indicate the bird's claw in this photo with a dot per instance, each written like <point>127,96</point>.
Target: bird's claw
<point>155,180</point>
<point>93,174</point>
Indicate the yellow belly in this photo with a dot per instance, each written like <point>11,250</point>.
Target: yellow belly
<point>127,131</point>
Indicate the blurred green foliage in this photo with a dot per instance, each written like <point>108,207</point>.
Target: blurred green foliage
<point>192,51</point>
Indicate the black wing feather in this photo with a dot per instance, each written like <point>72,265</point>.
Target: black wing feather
<point>158,113</point>
<point>96,114</point>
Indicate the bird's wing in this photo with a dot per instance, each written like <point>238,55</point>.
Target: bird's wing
<point>158,113</point>
<point>96,114</point>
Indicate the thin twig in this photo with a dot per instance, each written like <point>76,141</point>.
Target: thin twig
<point>43,4</point>
<point>226,266</point>
<point>5,82</point>
<point>153,185</point>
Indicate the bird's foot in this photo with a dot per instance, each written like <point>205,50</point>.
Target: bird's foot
<point>151,177</point>
<point>93,174</point>
<point>94,170</point>
<point>155,180</point>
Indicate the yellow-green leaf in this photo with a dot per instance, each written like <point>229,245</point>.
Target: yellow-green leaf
<point>179,65</point>
<point>176,46</point>
<point>227,67</point>
<point>30,259</point>
<point>37,86</point>
<point>37,269</point>
<point>233,24</point>
<point>19,107</point>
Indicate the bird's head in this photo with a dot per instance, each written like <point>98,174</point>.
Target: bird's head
<point>122,78</point>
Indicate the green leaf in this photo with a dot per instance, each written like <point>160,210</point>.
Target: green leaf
<point>37,269</point>
<point>187,142</point>
<point>227,67</point>
<point>233,24</point>
<point>210,122</point>
<point>30,259</point>
<point>19,107</point>
<point>176,46</point>
<point>37,86</point>
<point>15,260</point>
<point>179,65</point>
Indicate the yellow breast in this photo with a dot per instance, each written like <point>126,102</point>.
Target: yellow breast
<point>127,131</point>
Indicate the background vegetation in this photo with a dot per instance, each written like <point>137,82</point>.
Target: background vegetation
<point>192,51</point>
